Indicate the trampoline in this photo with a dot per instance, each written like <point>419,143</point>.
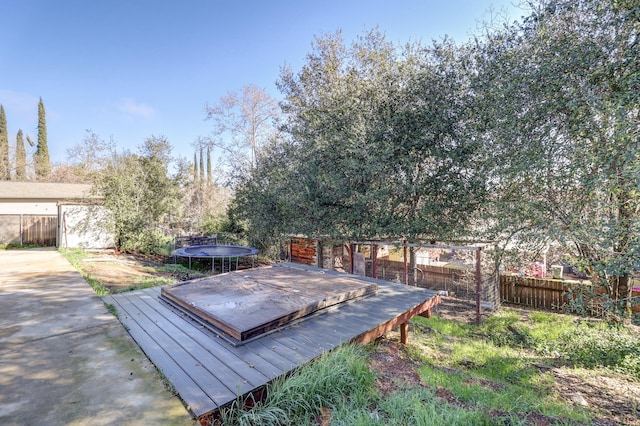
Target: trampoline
<point>226,254</point>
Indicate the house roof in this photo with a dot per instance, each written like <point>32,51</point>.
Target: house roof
<point>44,190</point>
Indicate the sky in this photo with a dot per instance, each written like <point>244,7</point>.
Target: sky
<point>131,69</point>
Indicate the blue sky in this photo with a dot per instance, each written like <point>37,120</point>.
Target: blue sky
<point>136,68</point>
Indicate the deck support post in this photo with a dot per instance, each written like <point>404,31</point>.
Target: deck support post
<point>401,319</point>
<point>404,333</point>
<point>426,314</point>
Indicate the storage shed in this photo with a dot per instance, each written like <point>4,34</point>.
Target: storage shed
<point>51,215</point>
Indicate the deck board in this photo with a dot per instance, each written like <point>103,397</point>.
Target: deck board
<point>217,387</point>
<point>269,366</point>
<point>209,372</point>
<point>229,368</point>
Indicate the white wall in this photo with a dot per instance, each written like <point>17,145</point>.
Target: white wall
<point>45,208</point>
<point>82,226</point>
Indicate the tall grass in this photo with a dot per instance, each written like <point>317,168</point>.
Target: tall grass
<point>489,370</point>
<point>341,377</point>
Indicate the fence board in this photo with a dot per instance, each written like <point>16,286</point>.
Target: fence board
<point>39,230</point>
<point>535,292</point>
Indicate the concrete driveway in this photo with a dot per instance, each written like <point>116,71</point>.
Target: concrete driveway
<point>64,359</point>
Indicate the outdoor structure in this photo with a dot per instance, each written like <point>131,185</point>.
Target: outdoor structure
<point>262,300</point>
<point>50,214</point>
<point>227,257</point>
<point>464,271</point>
<point>227,335</point>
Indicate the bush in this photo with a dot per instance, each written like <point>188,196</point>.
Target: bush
<point>148,242</point>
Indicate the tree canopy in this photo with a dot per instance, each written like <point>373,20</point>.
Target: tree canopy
<point>243,123</point>
<point>375,146</point>
<point>137,192</point>
<point>20,157</point>
<point>558,96</point>
<point>527,134</point>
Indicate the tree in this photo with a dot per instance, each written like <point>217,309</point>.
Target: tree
<point>248,121</point>
<point>202,170</point>
<point>5,166</point>
<point>557,96</point>
<point>209,176</point>
<point>41,156</point>
<point>195,166</point>
<point>89,158</point>
<point>374,146</point>
<point>267,199</point>
<point>377,141</point>
<point>138,194</point>
<point>203,198</point>
<point>20,158</point>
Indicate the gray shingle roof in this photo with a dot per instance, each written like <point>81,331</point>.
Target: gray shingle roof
<point>44,190</point>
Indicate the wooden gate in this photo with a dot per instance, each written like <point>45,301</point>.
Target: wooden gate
<point>39,230</point>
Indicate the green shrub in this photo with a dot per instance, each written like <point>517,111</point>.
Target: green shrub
<point>593,345</point>
<point>148,242</point>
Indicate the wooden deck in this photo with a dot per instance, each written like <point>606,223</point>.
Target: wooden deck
<point>247,304</point>
<point>208,372</point>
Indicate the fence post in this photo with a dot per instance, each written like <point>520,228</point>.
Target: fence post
<point>374,255</point>
<point>478,282</point>
<point>406,266</point>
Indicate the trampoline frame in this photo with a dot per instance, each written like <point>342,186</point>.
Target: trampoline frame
<point>199,252</point>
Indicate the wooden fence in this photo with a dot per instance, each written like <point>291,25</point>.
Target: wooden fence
<point>39,230</point>
<point>543,293</point>
<point>535,292</point>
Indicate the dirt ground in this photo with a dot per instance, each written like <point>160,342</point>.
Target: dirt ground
<point>121,271</point>
<point>616,401</point>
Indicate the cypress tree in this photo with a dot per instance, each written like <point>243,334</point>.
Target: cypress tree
<point>5,167</point>
<point>21,157</point>
<point>208,165</point>
<point>195,166</point>
<point>41,156</point>
<point>201,165</point>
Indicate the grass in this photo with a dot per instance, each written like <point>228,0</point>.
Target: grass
<point>75,257</point>
<point>112,309</point>
<point>178,269</point>
<point>147,282</point>
<point>164,274</point>
<point>490,370</point>
<point>12,246</point>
